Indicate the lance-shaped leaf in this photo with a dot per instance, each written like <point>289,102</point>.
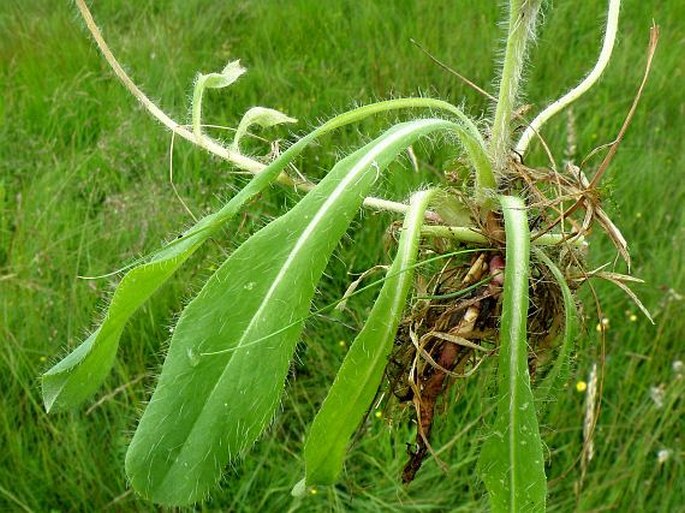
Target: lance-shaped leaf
<point>558,374</point>
<point>231,349</point>
<point>511,463</point>
<point>76,377</point>
<point>260,116</point>
<point>361,372</point>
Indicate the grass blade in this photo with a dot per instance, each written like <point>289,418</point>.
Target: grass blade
<point>78,375</point>
<point>558,374</point>
<point>231,349</point>
<point>362,370</point>
<point>511,462</point>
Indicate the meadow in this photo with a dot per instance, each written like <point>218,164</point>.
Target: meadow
<point>85,189</point>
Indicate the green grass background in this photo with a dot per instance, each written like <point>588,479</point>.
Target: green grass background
<point>84,189</point>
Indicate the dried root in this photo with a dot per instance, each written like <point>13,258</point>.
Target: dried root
<point>454,326</point>
<point>444,340</point>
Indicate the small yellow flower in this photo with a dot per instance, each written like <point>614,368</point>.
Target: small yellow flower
<point>633,318</point>
<point>342,343</point>
<point>602,325</point>
<point>581,386</point>
<point>378,414</point>
<point>313,491</point>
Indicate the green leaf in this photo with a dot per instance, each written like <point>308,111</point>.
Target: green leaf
<point>231,349</point>
<point>81,372</point>
<point>231,72</point>
<point>228,75</point>
<point>511,462</point>
<point>451,209</point>
<point>76,377</point>
<point>259,116</point>
<point>558,374</point>
<point>361,372</point>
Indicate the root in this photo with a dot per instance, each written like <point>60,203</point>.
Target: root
<point>454,324</point>
<point>450,336</point>
<point>443,347</point>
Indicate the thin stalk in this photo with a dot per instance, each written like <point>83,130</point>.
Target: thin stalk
<point>254,166</point>
<point>204,142</point>
<point>196,116</point>
<point>583,86</point>
<point>522,20</point>
<point>465,234</point>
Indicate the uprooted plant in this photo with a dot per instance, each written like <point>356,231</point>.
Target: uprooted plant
<point>498,256</point>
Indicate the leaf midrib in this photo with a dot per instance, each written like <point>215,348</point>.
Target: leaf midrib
<point>518,281</point>
<point>357,169</point>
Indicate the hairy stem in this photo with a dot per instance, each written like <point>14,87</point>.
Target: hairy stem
<point>583,86</point>
<point>196,116</point>
<point>204,142</point>
<point>254,166</point>
<point>522,19</point>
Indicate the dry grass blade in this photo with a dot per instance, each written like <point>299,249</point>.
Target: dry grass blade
<point>452,71</point>
<point>589,422</point>
<point>614,234</point>
<point>619,280</point>
<point>455,339</point>
<point>421,352</point>
<point>612,231</point>
<point>617,276</point>
<point>355,284</point>
<point>651,49</point>
<point>115,392</point>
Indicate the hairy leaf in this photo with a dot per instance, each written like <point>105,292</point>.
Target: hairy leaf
<point>259,116</point>
<point>231,72</point>
<point>361,372</point>
<point>75,378</point>
<point>231,349</point>
<point>511,462</point>
<point>451,209</point>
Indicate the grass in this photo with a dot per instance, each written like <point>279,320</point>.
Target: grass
<point>84,188</point>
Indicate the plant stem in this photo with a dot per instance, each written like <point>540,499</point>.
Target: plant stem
<point>465,234</point>
<point>583,86</point>
<point>522,18</point>
<point>254,166</point>
<point>204,142</point>
<point>198,92</point>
